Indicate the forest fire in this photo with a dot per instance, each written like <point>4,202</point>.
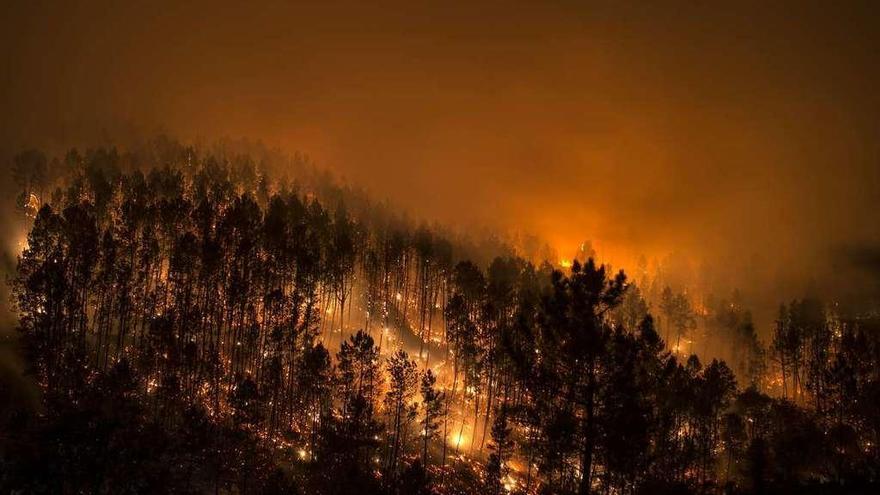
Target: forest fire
<point>388,349</point>
<point>549,248</point>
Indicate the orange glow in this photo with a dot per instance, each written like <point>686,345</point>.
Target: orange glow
<point>458,439</point>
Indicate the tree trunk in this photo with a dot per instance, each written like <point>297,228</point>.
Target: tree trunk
<point>584,487</point>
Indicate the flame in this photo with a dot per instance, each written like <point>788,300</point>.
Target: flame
<point>509,483</point>
<point>457,439</point>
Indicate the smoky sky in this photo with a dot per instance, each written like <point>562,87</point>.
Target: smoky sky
<point>744,135</point>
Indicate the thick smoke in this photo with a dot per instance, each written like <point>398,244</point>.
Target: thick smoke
<point>743,138</point>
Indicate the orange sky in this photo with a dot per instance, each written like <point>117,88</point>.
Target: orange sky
<point>744,136</point>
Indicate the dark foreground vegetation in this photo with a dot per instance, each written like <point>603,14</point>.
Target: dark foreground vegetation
<point>195,327</point>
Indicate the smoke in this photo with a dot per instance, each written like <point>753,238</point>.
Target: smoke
<point>741,137</point>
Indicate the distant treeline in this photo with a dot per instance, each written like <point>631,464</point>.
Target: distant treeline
<point>197,327</point>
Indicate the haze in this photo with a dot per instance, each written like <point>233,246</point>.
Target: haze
<point>744,137</point>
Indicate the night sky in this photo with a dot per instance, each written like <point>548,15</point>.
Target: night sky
<point>743,137</point>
